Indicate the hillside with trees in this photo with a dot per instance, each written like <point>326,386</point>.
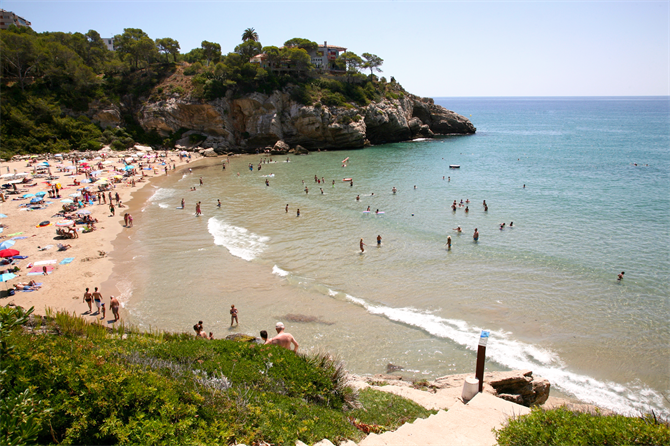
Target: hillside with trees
<point>54,84</point>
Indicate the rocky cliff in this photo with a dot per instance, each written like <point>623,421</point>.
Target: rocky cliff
<point>255,121</point>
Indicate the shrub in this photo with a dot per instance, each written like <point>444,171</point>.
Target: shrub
<point>564,427</point>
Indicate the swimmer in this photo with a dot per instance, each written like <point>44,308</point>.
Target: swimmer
<point>467,210</point>
<point>502,226</point>
<point>379,240</point>
<point>377,211</point>
<point>287,208</point>
<point>458,229</point>
<point>394,190</point>
<point>511,224</point>
<point>448,179</point>
<point>486,208</point>
<point>321,190</point>
<point>362,244</point>
<point>298,214</point>
<point>415,187</point>
<point>524,186</point>
<point>467,200</point>
<point>358,198</point>
<point>448,242</point>
<point>267,182</point>
<point>368,209</point>
<point>306,189</point>
<point>620,276</point>
<point>218,203</point>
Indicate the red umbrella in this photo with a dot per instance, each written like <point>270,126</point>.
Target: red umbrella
<point>9,253</point>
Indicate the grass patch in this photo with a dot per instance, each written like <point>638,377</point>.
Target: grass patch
<point>564,427</point>
<point>67,381</point>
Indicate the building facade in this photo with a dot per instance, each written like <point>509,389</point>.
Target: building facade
<point>8,18</point>
<point>323,59</point>
<point>109,42</point>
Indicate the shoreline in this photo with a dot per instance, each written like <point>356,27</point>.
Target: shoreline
<point>64,287</point>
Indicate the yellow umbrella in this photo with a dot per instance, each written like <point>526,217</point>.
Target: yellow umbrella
<point>118,176</point>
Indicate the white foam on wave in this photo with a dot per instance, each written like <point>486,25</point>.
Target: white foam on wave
<point>162,193</point>
<point>240,242</point>
<point>278,271</point>
<point>125,288</point>
<point>504,350</point>
<point>163,205</point>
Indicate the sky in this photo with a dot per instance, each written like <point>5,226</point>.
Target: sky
<point>433,48</point>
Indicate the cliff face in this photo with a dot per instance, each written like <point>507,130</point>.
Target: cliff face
<point>258,120</point>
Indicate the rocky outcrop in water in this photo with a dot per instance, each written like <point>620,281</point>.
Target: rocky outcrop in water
<point>256,121</point>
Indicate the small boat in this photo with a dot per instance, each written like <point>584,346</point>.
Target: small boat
<point>454,166</point>
<point>346,179</point>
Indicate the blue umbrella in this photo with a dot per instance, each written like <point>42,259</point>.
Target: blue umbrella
<point>28,195</point>
<point>36,200</point>
<point>66,200</point>
<point>7,244</point>
<point>129,167</point>
<point>3,216</point>
<point>40,194</point>
<point>44,163</point>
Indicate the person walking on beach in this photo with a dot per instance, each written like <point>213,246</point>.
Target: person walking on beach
<point>97,298</point>
<point>284,339</point>
<point>233,315</point>
<point>475,236</point>
<point>362,244</point>
<point>111,208</point>
<point>114,305</point>
<point>88,299</point>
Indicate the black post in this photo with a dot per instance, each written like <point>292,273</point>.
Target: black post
<point>481,358</point>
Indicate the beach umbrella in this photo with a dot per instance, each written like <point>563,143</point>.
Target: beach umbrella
<point>59,155</point>
<point>65,223</point>
<point>7,244</point>
<point>70,168</point>
<point>3,216</point>
<point>75,195</point>
<point>44,163</point>
<point>37,200</point>
<point>82,212</point>
<point>28,195</point>
<point>40,194</point>
<point>9,253</point>
<point>66,200</point>
<point>86,180</point>
<point>128,167</point>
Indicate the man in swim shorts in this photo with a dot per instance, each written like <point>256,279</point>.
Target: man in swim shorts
<point>379,240</point>
<point>475,236</point>
<point>114,305</point>
<point>97,298</point>
<point>284,339</point>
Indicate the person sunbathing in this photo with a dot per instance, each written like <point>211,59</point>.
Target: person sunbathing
<point>22,286</point>
<point>62,247</point>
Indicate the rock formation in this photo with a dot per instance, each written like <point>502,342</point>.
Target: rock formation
<point>259,121</point>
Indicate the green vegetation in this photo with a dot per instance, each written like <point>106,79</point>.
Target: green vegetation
<point>564,427</point>
<point>67,381</point>
<point>52,80</point>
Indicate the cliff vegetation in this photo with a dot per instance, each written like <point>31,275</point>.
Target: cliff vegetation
<point>67,91</point>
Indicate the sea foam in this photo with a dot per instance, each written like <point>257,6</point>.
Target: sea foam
<point>240,242</point>
<point>517,355</point>
<point>279,272</point>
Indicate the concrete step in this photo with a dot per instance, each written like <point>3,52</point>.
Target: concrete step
<point>464,424</point>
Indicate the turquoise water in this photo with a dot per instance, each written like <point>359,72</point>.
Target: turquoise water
<point>546,288</point>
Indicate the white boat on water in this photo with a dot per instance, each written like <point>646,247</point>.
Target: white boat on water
<point>454,166</point>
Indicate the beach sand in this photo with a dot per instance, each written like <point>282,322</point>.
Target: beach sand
<point>64,287</point>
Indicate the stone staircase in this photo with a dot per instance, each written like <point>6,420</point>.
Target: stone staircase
<point>468,424</point>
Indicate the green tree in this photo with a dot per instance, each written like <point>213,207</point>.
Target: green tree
<point>211,51</point>
<point>373,62</point>
<point>168,46</point>
<point>352,63</point>
<point>249,34</point>
<point>297,58</point>
<point>20,54</point>
<point>97,53</point>
<point>299,42</point>
<point>273,56</point>
<point>136,45</point>
<point>248,49</point>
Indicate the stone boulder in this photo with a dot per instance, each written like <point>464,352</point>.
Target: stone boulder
<point>280,148</point>
<point>209,153</point>
<point>300,150</point>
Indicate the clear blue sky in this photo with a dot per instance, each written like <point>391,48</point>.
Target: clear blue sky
<point>438,48</point>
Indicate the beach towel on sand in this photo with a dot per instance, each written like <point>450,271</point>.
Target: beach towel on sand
<point>45,262</point>
<point>66,260</point>
<point>37,270</point>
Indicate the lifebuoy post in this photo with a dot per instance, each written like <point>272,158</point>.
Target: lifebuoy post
<point>481,358</point>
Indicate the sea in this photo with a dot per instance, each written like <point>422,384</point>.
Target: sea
<point>584,180</point>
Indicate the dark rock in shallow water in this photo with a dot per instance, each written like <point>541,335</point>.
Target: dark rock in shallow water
<point>393,368</point>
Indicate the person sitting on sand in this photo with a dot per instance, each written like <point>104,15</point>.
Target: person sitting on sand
<point>62,247</point>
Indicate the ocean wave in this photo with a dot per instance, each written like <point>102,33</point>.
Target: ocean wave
<point>278,271</point>
<point>240,242</point>
<point>162,193</point>
<point>125,292</point>
<point>625,399</point>
<point>163,205</point>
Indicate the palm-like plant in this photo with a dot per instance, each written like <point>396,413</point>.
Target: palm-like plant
<point>250,34</point>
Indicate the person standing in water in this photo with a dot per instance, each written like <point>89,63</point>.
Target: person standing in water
<point>475,236</point>
<point>233,315</point>
<point>197,209</point>
<point>362,244</point>
<point>379,240</point>
<point>620,276</point>
<point>287,208</point>
<point>183,203</point>
<point>298,214</point>
<point>448,242</point>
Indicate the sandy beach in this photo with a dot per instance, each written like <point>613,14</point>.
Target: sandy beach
<point>64,286</point>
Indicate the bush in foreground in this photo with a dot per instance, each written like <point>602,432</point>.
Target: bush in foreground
<point>564,427</point>
<point>100,386</point>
